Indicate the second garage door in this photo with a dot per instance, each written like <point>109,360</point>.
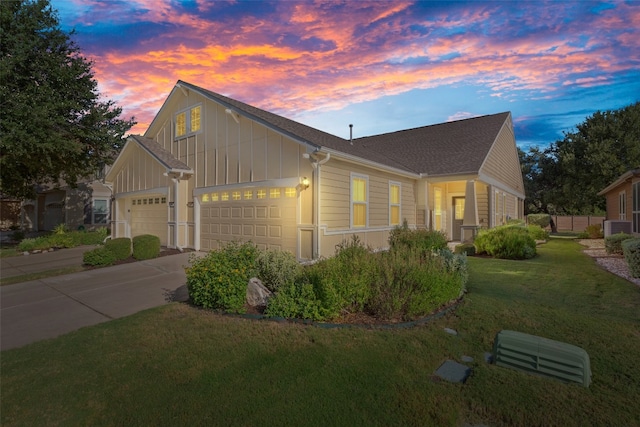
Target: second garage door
<point>149,215</point>
<point>266,216</point>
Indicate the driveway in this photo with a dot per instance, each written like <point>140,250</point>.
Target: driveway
<point>46,308</point>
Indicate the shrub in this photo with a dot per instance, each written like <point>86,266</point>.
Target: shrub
<point>275,268</point>
<point>27,245</point>
<point>93,237</point>
<point>516,221</point>
<point>60,229</point>
<point>537,233</point>
<point>613,243</point>
<point>60,240</point>
<point>465,248</point>
<point>412,284</point>
<point>506,242</point>
<point>631,251</point>
<point>101,256</point>
<point>296,300</point>
<point>424,240</point>
<point>593,231</point>
<point>17,235</point>
<point>219,279</point>
<point>146,246</point>
<point>543,220</point>
<point>121,247</point>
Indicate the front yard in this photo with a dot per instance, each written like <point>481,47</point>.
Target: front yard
<point>178,365</point>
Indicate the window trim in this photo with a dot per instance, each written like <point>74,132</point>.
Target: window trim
<point>622,205</point>
<point>635,207</point>
<point>106,214</point>
<point>398,205</point>
<point>353,202</point>
<point>188,122</point>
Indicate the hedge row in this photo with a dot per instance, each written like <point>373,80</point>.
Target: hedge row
<point>142,247</point>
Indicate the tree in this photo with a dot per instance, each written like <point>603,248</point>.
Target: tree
<point>54,124</point>
<point>566,177</point>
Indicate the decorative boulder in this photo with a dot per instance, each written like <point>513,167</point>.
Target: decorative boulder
<point>257,293</point>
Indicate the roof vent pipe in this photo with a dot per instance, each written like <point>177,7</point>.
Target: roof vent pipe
<point>351,134</point>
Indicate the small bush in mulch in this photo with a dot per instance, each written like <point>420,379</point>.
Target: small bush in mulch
<point>506,242</point>
<point>146,246</point>
<point>112,251</point>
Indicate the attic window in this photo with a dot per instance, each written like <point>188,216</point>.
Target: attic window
<point>188,121</point>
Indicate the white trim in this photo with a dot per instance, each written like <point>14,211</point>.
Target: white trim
<point>622,205</point>
<point>158,190</point>
<point>283,182</point>
<point>188,131</point>
<point>351,201</point>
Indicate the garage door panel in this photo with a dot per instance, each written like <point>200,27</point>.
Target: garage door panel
<point>268,223</point>
<point>149,216</point>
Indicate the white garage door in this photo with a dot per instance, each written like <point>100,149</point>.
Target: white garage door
<point>266,216</point>
<point>149,215</point>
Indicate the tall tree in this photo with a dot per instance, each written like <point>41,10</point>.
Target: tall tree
<point>568,175</point>
<point>54,124</point>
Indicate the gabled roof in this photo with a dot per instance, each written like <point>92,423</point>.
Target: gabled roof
<point>458,147</point>
<point>621,179</point>
<point>155,150</point>
<point>163,156</point>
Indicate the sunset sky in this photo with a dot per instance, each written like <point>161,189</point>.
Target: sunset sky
<point>383,66</point>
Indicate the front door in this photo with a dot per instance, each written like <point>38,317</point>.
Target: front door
<point>458,217</point>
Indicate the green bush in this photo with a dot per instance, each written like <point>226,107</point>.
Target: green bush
<point>424,240</point>
<point>146,246</point>
<point>296,300</point>
<point>219,279</point>
<point>537,233</point>
<point>631,251</point>
<point>506,242</point>
<point>593,231</point>
<point>613,243</point>
<point>27,245</point>
<point>121,247</point>
<point>543,220</point>
<point>411,283</point>
<point>101,256</point>
<point>93,237</point>
<point>465,248</point>
<point>276,268</point>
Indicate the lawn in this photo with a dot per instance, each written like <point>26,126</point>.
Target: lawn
<point>177,365</point>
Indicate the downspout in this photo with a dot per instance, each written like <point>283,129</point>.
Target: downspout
<point>317,165</point>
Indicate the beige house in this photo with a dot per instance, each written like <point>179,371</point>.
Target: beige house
<point>623,203</point>
<point>211,169</point>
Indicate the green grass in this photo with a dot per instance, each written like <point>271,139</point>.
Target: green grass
<point>177,365</point>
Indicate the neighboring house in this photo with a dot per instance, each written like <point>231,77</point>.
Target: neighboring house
<point>211,169</point>
<point>84,207</point>
<point>623,201</point>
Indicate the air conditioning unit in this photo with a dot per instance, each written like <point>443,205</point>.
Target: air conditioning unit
<point>616,226</point>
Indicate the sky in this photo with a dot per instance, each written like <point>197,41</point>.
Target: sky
<point>382,66</point>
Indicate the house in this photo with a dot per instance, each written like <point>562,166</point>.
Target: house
<point>212,169</point>
<point>623,203</point>
<point>83,207</point>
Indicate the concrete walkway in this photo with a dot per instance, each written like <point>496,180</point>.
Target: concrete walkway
<point>47,308</point>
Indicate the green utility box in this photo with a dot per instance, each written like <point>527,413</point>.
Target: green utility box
<point>537,355</point>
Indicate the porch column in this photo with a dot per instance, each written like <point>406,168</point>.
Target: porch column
<point>470,223</point>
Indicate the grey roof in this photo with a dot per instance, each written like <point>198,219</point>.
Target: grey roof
<point>163,156</point>
<point>457,147</point>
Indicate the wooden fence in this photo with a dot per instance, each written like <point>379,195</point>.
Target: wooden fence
<point>576,223</point>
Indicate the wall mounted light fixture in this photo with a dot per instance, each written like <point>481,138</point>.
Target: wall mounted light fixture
<point>172,204</point>
<point>190,204</point>
<point>305,183</point>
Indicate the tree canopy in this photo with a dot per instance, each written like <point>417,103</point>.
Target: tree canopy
<point>566,177</point>
<point>55,125</point>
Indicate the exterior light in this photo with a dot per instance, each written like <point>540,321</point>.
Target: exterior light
<point>305,182</point>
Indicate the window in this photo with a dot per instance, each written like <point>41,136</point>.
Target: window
<point>163,200</point>
<point>224,196</point>
<point>248,194</point>
<point>99,212</point>
<point>274,193</point>
<point>261,194</point>
<point>214,197</point>
<point>437,209</point>
<point>458,203</point>
<point>622,206</point>
<point>205,198</point>
<point>290,192</point>
<point>188,121</point>
<point>359,202</point>
<point>394,203</point>
<point>235,195</point>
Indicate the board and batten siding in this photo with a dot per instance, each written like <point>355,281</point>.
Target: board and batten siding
<point>225,152</point>
<point>502,163</point>
<point>139,172</point>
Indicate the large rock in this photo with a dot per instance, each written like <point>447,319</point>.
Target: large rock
<point>257,294</point>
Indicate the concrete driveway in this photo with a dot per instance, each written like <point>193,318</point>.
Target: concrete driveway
<point>47,308</point>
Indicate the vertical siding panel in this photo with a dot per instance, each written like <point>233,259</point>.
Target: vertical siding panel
<point>259,153</point>
<point>273,155</point>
